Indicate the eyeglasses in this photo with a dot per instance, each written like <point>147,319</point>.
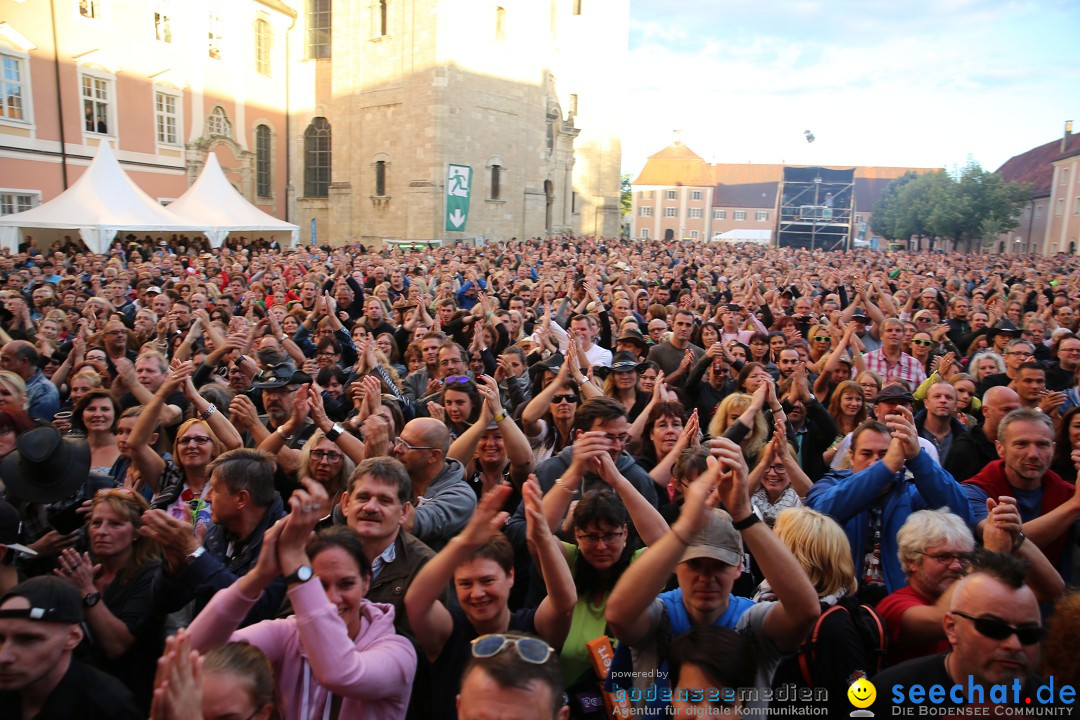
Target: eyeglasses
<point>1001,630</point>
<point>623,439</point>
<point>924,319</point>
<point>404,443</point>
<point>531,650</point>
<point>1020,353</point>
<point>571,398</point>
<point>923,343</point>
<point>594,539</point>
<point>457,380</point>
<point>821,338</point>
<point>199,440</point>
<point>328,455</point>
<point>948,558</point>
<point>777,469</point>
<point>115,332</point>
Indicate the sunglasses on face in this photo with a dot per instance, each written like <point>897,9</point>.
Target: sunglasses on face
<point>1001,630</point>
<point>571,398</point>
<point>821,338</point>
<point>923,343</point>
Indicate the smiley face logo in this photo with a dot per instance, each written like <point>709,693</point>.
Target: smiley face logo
<point>862,693</point>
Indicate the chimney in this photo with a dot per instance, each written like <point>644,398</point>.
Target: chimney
<point>1068,135</point>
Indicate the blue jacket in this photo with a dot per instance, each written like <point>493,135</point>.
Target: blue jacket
<point>847,497</point>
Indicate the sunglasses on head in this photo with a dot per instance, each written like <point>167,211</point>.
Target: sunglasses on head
<point>531,650</point>
<point>1001,630</point>
<point>571,398</point>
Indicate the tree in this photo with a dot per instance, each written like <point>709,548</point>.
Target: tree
<point>969,205</point>
<point>626,197</point>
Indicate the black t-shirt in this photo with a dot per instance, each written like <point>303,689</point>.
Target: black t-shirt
<point>437,690</point>
<point>84,692</point>
<point>133,604</point>
<point>927,672</point>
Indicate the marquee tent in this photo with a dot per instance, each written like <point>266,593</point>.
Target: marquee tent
<point>101,203</point>
<point>219,209</point>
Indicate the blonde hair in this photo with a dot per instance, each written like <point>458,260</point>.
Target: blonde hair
<point>215,443</point>
<point>737,403</point>
<point>821,547</point>
<point>347,465</point>
<point>15,385</point>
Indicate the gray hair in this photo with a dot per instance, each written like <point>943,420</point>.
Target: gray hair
<point>1024,415</point>
<point>927,528</point>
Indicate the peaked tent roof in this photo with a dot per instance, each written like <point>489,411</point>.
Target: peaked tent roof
<point>216,205</point>
<point>102,202</point>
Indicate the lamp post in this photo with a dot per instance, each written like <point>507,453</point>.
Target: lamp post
<point>817,211</point>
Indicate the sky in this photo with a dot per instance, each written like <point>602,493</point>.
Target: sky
<point>912,83</point>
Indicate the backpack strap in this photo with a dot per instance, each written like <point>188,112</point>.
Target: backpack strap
<point>808,651</point>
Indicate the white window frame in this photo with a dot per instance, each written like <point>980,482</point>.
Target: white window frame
<point>166,12</point>
<point>1076,206</point>
<point>224,116</point>
<point>762,216</point>
<point>98,6</point>
<point>693,234</point>
<point>672,194</point>
<point>215,36</point>
<point>177,115</point>
<point>740,215</point>
<point>262,21</point>
<point>110,85</point>
<point>719,214</point>
<point>645,211</point>
<point>644,233</point>
<point>695,212</point>
<point>695,195</point>
<point>22,60</point>
<point>13,192</point>
<point>670,212</point>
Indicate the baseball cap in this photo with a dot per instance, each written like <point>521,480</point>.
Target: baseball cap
<point>51,600</point>
<point>718,540</point>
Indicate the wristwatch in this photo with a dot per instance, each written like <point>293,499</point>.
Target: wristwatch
<point>1020,538</point>
<point>334,432</point>
<point>751,519</point>
<point>91,599</point>
<point>210,410</point>
<point>301,575</point>
<point>195,554</point>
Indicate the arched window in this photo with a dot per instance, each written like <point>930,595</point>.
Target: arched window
<point>496,181</point>
<point>218,123</point>
<point>317,158</point>
<point>500,23</point>
<point>383,20</point>
<point>262,161</point>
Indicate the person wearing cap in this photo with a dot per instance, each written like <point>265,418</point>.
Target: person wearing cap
<point>705,550</point>
<point>891,476</point>
<point>633,342</point>
<point>281,431</point>
<point>40,627</point>
<point>621,384</point>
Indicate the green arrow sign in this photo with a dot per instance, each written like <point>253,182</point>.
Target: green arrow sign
<point>458,188</point>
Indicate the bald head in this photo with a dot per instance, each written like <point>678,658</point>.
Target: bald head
<point>997,403</point>
<point>432,432</point>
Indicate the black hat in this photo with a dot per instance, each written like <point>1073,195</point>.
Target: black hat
<point>860,313</point>
<point>51,600</point>
<point>11,529</point>
<point>624,361</point>
<point>1004,326</point>
<point>631,335</point>
<point>46,467</point>
<point>894,393</point>
<point>280,375</point>
<point>552,362</point>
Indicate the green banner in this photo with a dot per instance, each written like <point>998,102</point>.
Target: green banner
<point>458,189</point>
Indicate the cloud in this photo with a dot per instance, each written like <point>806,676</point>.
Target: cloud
<point>921,84</point>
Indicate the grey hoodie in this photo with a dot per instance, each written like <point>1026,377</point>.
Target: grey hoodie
<point>445,507</point>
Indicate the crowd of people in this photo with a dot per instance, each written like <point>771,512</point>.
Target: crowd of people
<point>562,477</point>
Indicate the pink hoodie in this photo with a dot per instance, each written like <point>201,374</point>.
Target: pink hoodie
<point>313,656</point>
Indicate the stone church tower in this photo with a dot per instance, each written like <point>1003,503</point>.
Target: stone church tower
<point>385,94</point>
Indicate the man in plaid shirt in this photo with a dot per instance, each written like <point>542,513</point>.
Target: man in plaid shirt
<point>890,361</point>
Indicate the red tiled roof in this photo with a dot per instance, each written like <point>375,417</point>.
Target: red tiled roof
<point>1036,165</point>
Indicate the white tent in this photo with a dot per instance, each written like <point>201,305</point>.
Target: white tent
<point>102,202</point>
<point>219,209</point>
<point>761,237</point>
